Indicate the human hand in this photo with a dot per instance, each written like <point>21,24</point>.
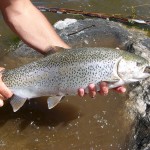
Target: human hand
<point>5,93</point>
<point>104,90</point>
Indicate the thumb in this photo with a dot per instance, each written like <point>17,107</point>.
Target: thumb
<point>4,90</point>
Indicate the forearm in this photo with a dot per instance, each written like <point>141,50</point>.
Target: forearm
<point>30,24</point>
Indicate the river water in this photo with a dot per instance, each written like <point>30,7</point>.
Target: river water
<point>76,123</point>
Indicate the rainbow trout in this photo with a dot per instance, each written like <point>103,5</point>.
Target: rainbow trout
<point>62,73</point>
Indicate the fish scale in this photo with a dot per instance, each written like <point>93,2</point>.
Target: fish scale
<point>62,73</point>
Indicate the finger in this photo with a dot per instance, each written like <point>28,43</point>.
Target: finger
<point>103,88</point>
<point>1,68</point>
<point>1,103</point>
<point>92,90</point>
<point>1,100</point>
<point>4,91</point>
<point>81,92</point>
<point>120,89</point>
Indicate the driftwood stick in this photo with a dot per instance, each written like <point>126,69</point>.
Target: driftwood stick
<point>118,18</point>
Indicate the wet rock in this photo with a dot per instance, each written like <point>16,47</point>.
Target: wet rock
<point>140,107</point>
<point>104,33</point>
<point>83,33</point>
<point>95,32</point>
<point>25,51</point>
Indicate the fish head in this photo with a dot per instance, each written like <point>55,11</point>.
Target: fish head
<point>132,68</point>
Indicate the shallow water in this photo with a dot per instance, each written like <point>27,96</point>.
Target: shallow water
<point>76,123</point>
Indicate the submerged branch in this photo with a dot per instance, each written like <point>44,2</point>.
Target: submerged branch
<point>119,18</point>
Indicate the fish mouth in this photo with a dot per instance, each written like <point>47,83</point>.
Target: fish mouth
<point>144,74</point>
<point>147,69</point>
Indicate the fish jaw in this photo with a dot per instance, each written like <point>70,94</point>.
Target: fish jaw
<point>132,70</point>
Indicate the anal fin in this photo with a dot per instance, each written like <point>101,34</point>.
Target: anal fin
<point>53,101</point>
<point>116,84</point>
<point>17,102</point>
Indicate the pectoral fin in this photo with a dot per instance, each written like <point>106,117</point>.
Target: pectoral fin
<point>17,102</point>
<point>53,101</point>
<point>116,84</point>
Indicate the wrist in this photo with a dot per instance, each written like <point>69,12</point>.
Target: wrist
<point>54,49</point>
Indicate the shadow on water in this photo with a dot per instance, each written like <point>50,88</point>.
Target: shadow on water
<point>37,110</point>
<point>75,123</point>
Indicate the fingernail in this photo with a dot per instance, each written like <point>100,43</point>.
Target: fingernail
<point>91,85</point>
<point>123,90</point>
<point>105,90</point>
<point>81,92</point>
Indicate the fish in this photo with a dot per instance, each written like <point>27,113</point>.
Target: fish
<point>63,73</point>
